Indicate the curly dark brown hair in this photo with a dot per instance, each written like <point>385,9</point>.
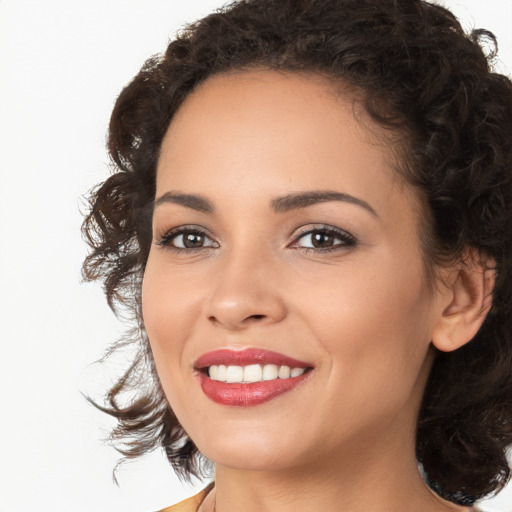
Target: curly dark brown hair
<point>423,78</point>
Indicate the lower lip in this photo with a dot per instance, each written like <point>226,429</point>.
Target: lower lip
<point>247,395</point>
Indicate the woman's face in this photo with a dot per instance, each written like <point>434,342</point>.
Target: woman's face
<point>281,226</point>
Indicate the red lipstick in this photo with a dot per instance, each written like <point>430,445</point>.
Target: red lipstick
<point>241,394</point>
<point>247,356</point>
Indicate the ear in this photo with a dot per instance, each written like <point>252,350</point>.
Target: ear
<point>465,302</point>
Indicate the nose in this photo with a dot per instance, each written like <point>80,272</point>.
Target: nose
<point>245,292</point>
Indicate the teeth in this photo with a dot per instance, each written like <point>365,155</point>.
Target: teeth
<point>214,372</point>
<point>295,372</point>
<point>270,372</point>
<point>284,372</point>
<point>252,373</point>
<point>234,374</point>
<point>221,373</point>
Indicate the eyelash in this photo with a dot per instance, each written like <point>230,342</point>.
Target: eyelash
<point>347,240</point>
<point>167,238</point>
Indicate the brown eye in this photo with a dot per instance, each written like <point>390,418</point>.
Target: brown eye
<point>192,240</point>
<point>325,239</point>
<point>322,240</point>
<point>186,239</point>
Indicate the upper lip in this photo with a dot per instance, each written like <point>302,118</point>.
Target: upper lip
<point>227,356</point>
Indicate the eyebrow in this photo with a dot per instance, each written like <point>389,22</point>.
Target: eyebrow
<point>303,199</point>
<point>280,204</point>
<point>196,202</point>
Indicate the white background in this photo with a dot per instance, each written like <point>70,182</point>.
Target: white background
<point>62,63</point>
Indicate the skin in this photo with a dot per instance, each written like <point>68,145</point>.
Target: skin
<point>362,314</point>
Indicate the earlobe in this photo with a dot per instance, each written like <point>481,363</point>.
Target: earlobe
<point>466,303</point>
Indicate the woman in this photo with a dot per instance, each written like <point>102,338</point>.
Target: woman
<point>310,221</point>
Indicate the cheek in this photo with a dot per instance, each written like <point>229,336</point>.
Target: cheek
<point>162,321</point>
<point>169,304</point>
<point>165,309</point>
<point>377,341</point>
<point>373,323</point>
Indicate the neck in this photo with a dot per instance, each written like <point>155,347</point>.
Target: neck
<point>388,480</point>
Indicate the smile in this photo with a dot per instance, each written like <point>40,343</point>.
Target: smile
<point>248,377</point>
<point>252,373</point>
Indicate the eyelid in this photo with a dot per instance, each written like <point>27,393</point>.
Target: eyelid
<point>348,240</point>
<point>165,239</point>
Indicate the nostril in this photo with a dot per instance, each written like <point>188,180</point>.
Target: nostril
<point>244,322</point>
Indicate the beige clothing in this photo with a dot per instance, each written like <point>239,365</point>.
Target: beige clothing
<point>190,504</point>
<point>193,503</point>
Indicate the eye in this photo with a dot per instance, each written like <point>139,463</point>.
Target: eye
<point>324,239</point>
<point>186,239</point>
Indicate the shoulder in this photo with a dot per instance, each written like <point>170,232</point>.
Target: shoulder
<point>190,504</point>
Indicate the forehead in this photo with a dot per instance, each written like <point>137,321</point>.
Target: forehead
<point>275,131</point>
<point>280,102</point>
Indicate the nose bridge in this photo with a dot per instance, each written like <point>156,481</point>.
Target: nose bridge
<point>244,289</point>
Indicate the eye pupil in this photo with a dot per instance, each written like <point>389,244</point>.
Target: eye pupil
<point>192,240</point>
<point>322,240</point>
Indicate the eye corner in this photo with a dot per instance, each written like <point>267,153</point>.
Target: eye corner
<point>346,240</point>
<point>166,240</point>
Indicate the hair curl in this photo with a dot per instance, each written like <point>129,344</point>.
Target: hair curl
<point>421,77</point>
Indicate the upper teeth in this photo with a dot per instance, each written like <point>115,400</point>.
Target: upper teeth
<point>252,373</point>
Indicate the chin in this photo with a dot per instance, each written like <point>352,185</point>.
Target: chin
<point>254,452</point>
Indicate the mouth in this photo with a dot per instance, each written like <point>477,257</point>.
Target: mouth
<point>252,373</point>
<point>248,377</point>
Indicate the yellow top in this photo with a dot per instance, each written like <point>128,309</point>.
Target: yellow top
<point>190,504</point>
